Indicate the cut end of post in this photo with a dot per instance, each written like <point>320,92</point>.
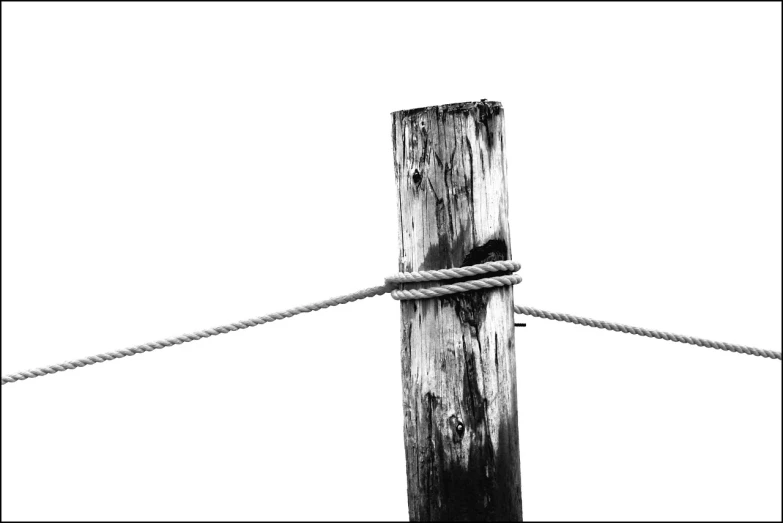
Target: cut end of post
<point>451,108</point>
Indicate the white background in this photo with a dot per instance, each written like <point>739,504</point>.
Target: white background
<point>168,168</point>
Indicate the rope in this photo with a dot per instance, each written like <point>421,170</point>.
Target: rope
<point>484,283</point>
<point>147,347</point>
<point>639,331</point>
<point>398,294</point>
<point>450,274</point>
<point>390,286</point>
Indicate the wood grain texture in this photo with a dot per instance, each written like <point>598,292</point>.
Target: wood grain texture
<point>458,361</point>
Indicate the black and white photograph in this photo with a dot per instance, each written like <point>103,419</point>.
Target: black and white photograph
<point>391,261</point>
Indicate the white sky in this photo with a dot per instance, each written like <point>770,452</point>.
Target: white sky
<point>170,167</point>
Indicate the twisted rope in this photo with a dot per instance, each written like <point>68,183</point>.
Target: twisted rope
<point>390,286</point>
<point>639,331</point>
<point>484,283</point>
<point>398,294</point>
<point>147,347</point>
<point>450,274</point>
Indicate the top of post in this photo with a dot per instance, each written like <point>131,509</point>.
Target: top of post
<point>452,108</point>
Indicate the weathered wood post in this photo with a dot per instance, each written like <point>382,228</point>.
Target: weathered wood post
<point>458,362</point>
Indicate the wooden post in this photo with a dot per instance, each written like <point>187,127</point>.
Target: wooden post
<point>458,362</point>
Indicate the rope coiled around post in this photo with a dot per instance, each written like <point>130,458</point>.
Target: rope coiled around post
<point>392,284</point>
<point>448,274</point>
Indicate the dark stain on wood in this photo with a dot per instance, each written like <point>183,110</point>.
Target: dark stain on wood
<point>493,250</point>
<point>416,177</point>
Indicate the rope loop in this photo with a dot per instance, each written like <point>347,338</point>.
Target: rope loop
<point>456,272</point>
<point>453,288</point>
